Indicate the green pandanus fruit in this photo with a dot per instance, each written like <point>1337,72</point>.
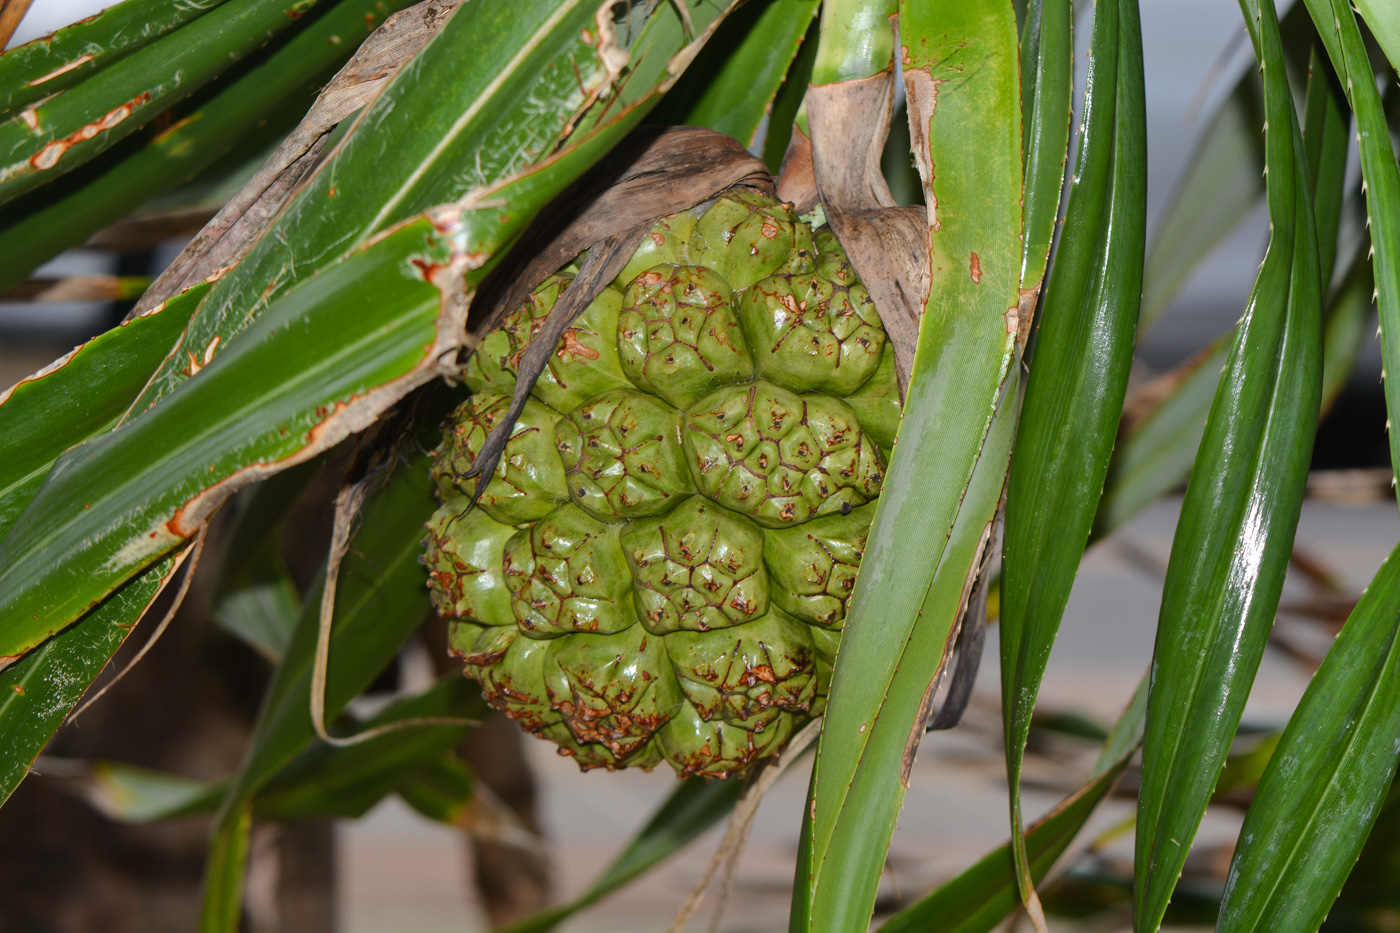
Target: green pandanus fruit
<point>660,565</point>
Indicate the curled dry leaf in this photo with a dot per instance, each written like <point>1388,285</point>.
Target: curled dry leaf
<point>888,245</point>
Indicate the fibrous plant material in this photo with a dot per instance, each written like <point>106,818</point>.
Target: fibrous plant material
<point>660,564</point>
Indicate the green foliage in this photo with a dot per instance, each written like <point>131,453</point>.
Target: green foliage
<point>351,297</point>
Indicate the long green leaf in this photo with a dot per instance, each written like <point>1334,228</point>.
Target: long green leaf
<point>57,61</point>
<point>54,136</point>
<point>381,600</point>
<point>1383,18</point>
<point>787,107</point>
<point>325,360</point>
<point>935,507</point>
<point>452,126</point>
<point>258,105</point>
<point>1346,330</point>
<point>1341,36</point>
<point>1325,782</point>
<point>323,782</point>
<point>733,82</point>
<point>78,396</point>
<point>130,793</point>
<point>692,808</point>
<point>1075,391</point>
<point>984,895</point>
<point>1221,184</point>
<point>1240,512</point>
<point>37,693</point>
<point>301,386</point>
<point>1047,90</point>
<point>1326,119</point>
<point>946,474</point>
<point>1223,181</point>
<point>1154,455</point>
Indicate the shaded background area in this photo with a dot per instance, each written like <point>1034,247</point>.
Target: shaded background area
<point>188,708</point>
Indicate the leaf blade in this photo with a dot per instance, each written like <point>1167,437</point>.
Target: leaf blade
<point>1241,509</point>
<point>68,55</point>
<point>889,655</point>
<point>1325,782</point>
<point>307,375</point>
<point>1074,395</point>
<point>55,136</point>
<point>37,693</point>
<point>78,396</point>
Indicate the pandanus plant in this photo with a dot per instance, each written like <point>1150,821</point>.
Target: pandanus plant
<point>723,437</point>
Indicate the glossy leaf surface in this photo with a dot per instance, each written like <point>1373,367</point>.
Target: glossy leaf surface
<point>448,129</point>
<point>262,101</point>
<point>464,237</point>
<point>1047,86</point>
<point>1078,378</point>
<point>1341,36</point>
<point>1383,18</point>
<point>1326,780</point>
<point>731,87</point>
<point>1241,508</point>
<point>1223,181</point>
<point>323,361</point>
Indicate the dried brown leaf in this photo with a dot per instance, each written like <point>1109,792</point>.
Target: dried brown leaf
<point>797,178</point>
<point>888,245</point>
<point>654,172</point>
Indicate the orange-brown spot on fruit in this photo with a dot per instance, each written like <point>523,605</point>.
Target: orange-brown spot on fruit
<point>570,349</point>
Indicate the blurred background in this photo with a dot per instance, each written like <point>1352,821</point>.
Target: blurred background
<point>188,707</point>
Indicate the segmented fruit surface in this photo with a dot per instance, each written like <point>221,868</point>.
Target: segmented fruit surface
<point>660,566</point>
